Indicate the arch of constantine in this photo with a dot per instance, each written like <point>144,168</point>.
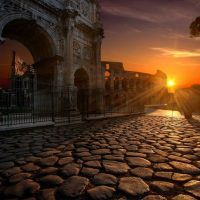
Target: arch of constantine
<point>63,36</point>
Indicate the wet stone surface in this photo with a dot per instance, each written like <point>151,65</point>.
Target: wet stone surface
<point>144,157</point>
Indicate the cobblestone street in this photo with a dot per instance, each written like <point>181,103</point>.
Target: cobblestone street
<point>145,157</point>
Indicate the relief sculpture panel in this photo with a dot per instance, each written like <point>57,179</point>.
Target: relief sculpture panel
<point>85,8</point>
<point>77,48</point>
<point>88,53</point>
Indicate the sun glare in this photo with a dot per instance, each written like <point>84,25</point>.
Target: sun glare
<point>170,83</point>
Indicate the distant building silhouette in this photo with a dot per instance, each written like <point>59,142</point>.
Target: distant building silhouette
<point>122,87</point>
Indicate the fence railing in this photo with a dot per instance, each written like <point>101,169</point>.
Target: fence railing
<point>59,106</point>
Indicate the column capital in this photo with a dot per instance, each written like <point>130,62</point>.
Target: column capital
<point>68,17</point>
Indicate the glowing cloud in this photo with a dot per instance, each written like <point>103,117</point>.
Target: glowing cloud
<point>178,53</point>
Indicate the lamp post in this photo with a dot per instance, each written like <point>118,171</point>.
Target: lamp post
<point>171,91</point>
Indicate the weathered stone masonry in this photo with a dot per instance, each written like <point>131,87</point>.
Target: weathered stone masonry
<point>63,36</point>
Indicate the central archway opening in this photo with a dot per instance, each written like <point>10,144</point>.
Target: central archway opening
<point>81,81</point>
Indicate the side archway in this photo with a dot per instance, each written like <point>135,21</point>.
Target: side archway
<point>81,81</point>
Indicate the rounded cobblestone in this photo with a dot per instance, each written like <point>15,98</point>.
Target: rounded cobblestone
<point>101,192</point>
<point>51,180</point>
<point>144,157</point>
<point>193,187</point>
<point>142,172</point>
<point>74,186</point>
<point>21,188</point>
<point>104,179</point>
<point>115,167</point>
<point>133,186</point>
<point>162,186</point>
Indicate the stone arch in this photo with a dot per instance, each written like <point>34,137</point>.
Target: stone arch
<point>75,70</point>
<point>81,79</point>
<point>37,38</point>
<point>17,16</point>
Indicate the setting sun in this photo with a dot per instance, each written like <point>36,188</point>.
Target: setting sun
<point>170,83</point>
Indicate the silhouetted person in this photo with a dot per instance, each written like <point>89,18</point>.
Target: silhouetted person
<point>185,100</point>
<point>188,112</point>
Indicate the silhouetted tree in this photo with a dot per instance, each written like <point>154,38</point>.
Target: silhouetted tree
<point>195,28</point>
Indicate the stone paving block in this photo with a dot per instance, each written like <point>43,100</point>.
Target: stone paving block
<point>115,167</point>
<point>162,186</point>
<point>181,177</point>
<point>21,188</point>
<point>164,175</point>
<point>133,186</point>
<point>19,177</point>
<point>162,167</point>
<point>145,157</point>
<point>51,180</point>
<point>48,194</point>
<point>193,187</point>
<point>71,169</point>
<point>49,161</point>
<point>101,193</point>
<point>100,151</point>
<point>30,167</point>
<point>64,161</point>
<point>154,197</point>
<point>185,168</point>
<point>48,170</point>
<point>73,186</point>
<point>137,161</point>
<point>94,164</point>
<point>90,172</point>
<point>11,171</point>
<point>114,157</point>
<point>183,197</point>
<point>104,179</point>
<point>142,172</point>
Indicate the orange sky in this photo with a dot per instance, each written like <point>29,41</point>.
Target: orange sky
<point>185,71</point>
<point>6,59</point>
<point>149,35</point>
